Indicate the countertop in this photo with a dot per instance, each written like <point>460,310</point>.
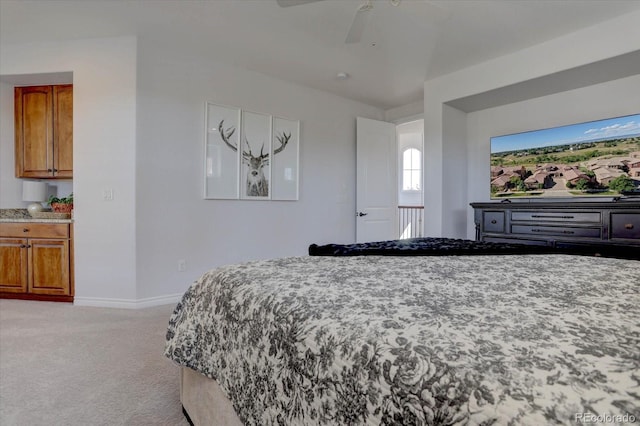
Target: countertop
<point>22,215</point>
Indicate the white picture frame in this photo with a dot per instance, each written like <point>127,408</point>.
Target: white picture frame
<point>250,155</point>
<point>222,164</point>
<point>285,159</point>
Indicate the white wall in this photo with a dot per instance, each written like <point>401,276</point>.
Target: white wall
<point>175,222</point>
<point>453,138</point>
<point>104,78</point>
<point>139,128</point>
<point>455,168</point>
<point>10,188</point>
<point>404,113</point>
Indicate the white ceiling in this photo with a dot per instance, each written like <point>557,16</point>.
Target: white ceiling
<point>401,47</point>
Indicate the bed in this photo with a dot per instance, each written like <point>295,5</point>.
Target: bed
<point>459,333</point>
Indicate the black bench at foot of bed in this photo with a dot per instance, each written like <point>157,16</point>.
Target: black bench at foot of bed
<point>431,246</point>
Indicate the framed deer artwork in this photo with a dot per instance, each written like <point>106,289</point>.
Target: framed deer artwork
<point>250,155</point>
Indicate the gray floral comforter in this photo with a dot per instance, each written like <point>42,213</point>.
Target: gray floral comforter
<point>479,340</point>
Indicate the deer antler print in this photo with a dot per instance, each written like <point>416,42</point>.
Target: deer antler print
<point>225,135</point>
<point>284,140</point>
<point>257,183</point>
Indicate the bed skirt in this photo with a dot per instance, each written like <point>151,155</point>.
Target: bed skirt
<point>204,402</point>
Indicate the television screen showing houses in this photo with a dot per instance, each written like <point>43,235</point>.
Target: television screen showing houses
<point>597,158</point>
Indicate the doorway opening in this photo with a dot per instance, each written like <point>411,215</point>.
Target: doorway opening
<point>410,141</point>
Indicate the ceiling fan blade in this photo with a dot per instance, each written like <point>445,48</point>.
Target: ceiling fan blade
<point>358,24</point>
<point>287,3</point>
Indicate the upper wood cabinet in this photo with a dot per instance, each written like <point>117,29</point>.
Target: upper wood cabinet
<point>44,131</point>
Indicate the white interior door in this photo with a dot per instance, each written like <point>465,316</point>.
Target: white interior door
<point>376,184</point>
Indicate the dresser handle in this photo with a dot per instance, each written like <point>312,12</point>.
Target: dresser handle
<point>25,230</point>
<point>542,230</point>
<point>551,217</point>
<point>628,226</point>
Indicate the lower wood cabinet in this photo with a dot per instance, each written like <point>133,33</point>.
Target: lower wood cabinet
<point>580,224</point>
<point>36,261</point>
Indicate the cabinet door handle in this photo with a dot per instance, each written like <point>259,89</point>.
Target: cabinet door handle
<point>628,226</point>
<point>50,170</point>
<point>494,221</point>
<point>23,246</point>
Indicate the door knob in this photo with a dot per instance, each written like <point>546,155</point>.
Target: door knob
<point>361,214</point>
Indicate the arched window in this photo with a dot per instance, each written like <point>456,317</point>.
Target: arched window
<point>411,170</point>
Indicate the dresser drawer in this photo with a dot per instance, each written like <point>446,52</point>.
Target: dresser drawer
<point>557,216</point>
<point>625,225</point>
<point>564,231</point>
<point>34,230</point>
<point>493,221</point>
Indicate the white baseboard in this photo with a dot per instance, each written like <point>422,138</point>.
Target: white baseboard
<point>127,303</point>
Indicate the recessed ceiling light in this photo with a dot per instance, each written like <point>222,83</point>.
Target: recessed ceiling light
<point>342,76</point>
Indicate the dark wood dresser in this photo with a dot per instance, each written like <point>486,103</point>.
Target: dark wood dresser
<point>614,224</point>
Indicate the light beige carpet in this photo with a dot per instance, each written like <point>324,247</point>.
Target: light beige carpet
<point>66,365</point>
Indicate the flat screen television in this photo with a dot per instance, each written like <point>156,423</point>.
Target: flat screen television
<point>592,159</point>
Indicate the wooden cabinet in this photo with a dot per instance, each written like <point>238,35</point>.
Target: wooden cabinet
<point>36,261</point>
<point>44,131</point>
<point>13,265</point>
<point>560,224</point>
